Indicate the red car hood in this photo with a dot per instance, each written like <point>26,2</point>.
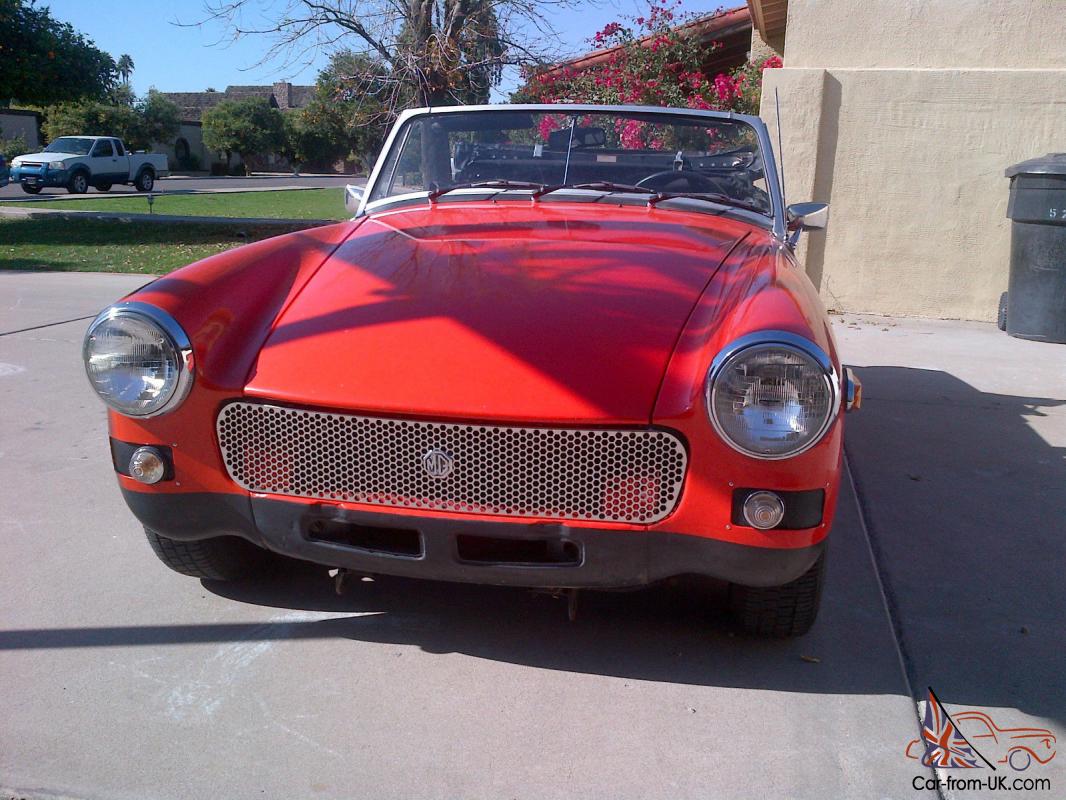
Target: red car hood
<point>524,312</point>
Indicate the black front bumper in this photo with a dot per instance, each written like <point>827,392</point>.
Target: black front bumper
<point>470,551</point>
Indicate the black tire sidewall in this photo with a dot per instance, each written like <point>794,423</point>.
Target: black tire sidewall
<point>74,187</point>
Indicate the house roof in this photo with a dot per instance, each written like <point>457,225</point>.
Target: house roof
<point>730,27</point>
<point>192,105</point>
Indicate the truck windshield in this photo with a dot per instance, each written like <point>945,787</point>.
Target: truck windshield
<point>633,151</point>
<point>75,145</point>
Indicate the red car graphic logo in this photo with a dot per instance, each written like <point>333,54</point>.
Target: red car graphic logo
<point>967,738</point>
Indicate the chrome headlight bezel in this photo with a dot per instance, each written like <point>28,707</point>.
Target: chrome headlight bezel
<point>767,340</point>
<point>175,338</point>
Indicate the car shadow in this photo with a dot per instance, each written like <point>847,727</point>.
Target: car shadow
<point>675,632</point>
<point>966,505</point>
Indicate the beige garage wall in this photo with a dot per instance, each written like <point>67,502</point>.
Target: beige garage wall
<point>911,158</point>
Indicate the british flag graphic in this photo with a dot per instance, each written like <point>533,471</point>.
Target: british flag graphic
<point>945,746</point>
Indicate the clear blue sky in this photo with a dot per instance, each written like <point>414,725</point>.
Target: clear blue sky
<point>176,59</point>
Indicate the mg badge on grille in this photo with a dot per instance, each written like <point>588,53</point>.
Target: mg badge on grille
<point>438,463</point>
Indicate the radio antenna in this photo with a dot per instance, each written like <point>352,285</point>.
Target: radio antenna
<point>780,145</point>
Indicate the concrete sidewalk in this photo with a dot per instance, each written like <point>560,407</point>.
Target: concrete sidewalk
<point>123,680</point>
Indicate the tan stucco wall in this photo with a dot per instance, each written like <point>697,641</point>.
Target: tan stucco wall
<point>1019,34</point>
<point>762,49</point>
<point>911,159</point>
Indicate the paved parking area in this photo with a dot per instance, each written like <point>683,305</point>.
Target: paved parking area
<point>123,680</point>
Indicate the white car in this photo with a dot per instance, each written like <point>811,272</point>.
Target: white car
<point>78,162</point>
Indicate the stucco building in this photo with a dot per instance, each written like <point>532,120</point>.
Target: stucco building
<point>903,114</point>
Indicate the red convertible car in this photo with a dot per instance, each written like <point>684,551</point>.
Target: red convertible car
<point>556,346</point>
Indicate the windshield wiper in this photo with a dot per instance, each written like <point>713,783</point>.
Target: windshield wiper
<point>605,186</point>
<point>711,197</point>
<point>500,184</point>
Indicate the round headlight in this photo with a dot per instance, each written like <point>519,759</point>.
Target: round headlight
<point>138,360</point>
<point>772,398</point>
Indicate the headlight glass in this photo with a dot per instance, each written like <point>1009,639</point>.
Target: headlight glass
<point>771,400</point>
<point>55,165</point>
<point>134,363</point>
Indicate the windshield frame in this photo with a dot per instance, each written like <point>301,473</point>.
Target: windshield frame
<point>92,140</point>
<point>777,201</point>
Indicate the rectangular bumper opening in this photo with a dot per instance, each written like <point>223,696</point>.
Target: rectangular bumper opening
<point>394,541</point>
<point>496,550</point>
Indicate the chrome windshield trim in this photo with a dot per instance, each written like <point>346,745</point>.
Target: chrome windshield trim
<point>761,132</point>
<point>474,194</point>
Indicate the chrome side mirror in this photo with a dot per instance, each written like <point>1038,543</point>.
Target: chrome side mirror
<point>353,196</point>
<point>808,216</point>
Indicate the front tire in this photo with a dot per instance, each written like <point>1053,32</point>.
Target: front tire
<point>779,611</point>
<point>31,189</point>
<point>224,558</point>
<point>145,181</point>
<point>78,184</point>
<point>103,187</point>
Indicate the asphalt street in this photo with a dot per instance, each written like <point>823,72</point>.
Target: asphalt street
<point>121,679</point>
<point>14,192</point>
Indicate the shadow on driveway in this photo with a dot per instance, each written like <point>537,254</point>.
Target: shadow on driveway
<point>966,505</point>
<point>670,633</point>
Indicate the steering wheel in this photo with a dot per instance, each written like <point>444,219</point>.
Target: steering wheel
<point>681,180</point>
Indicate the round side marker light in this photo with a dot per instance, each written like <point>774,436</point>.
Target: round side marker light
<point>764,510</point>
<point>147,465</point>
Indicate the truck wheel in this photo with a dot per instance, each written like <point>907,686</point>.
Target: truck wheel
<point>103,187</point>
<point>78,184</point>
<point>779,611</point>
<point>224,558</point>
<point>31,189</point>
<point>145,181</point>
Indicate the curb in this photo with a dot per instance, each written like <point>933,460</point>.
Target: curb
<point>42,213</point>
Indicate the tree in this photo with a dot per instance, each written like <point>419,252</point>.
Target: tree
<point>435,52</point>
<point>249,127</point>
<point>139,124</point>
<point>347,108</point>
<point>90,118</point>
<point>160,119</point>
<point>651,61</point>
<point>44,61</point>
<point>125,67</point>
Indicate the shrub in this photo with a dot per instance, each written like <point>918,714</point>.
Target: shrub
<point>653,63</point>
<point>15,146</point>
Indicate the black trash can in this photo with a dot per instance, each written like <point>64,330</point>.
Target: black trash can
<point>1036,291</point>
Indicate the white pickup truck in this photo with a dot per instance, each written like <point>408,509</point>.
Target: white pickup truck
<point>78,162</point>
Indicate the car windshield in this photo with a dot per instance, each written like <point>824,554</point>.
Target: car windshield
<point>636,152</point>
<point>76,145</point>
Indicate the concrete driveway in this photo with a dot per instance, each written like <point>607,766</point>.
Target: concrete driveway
<point>14,191</point>
<point>121,679</point>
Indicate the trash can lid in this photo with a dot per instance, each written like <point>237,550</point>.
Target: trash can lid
<point>1050,164</point>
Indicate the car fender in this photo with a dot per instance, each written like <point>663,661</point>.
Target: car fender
<point>758,288</point>
<point>226,304</point>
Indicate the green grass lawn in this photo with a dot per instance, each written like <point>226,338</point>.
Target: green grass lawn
<point>94,245</point>
<point>284,204</point>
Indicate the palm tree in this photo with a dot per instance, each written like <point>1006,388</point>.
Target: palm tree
<point>125,67</point>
